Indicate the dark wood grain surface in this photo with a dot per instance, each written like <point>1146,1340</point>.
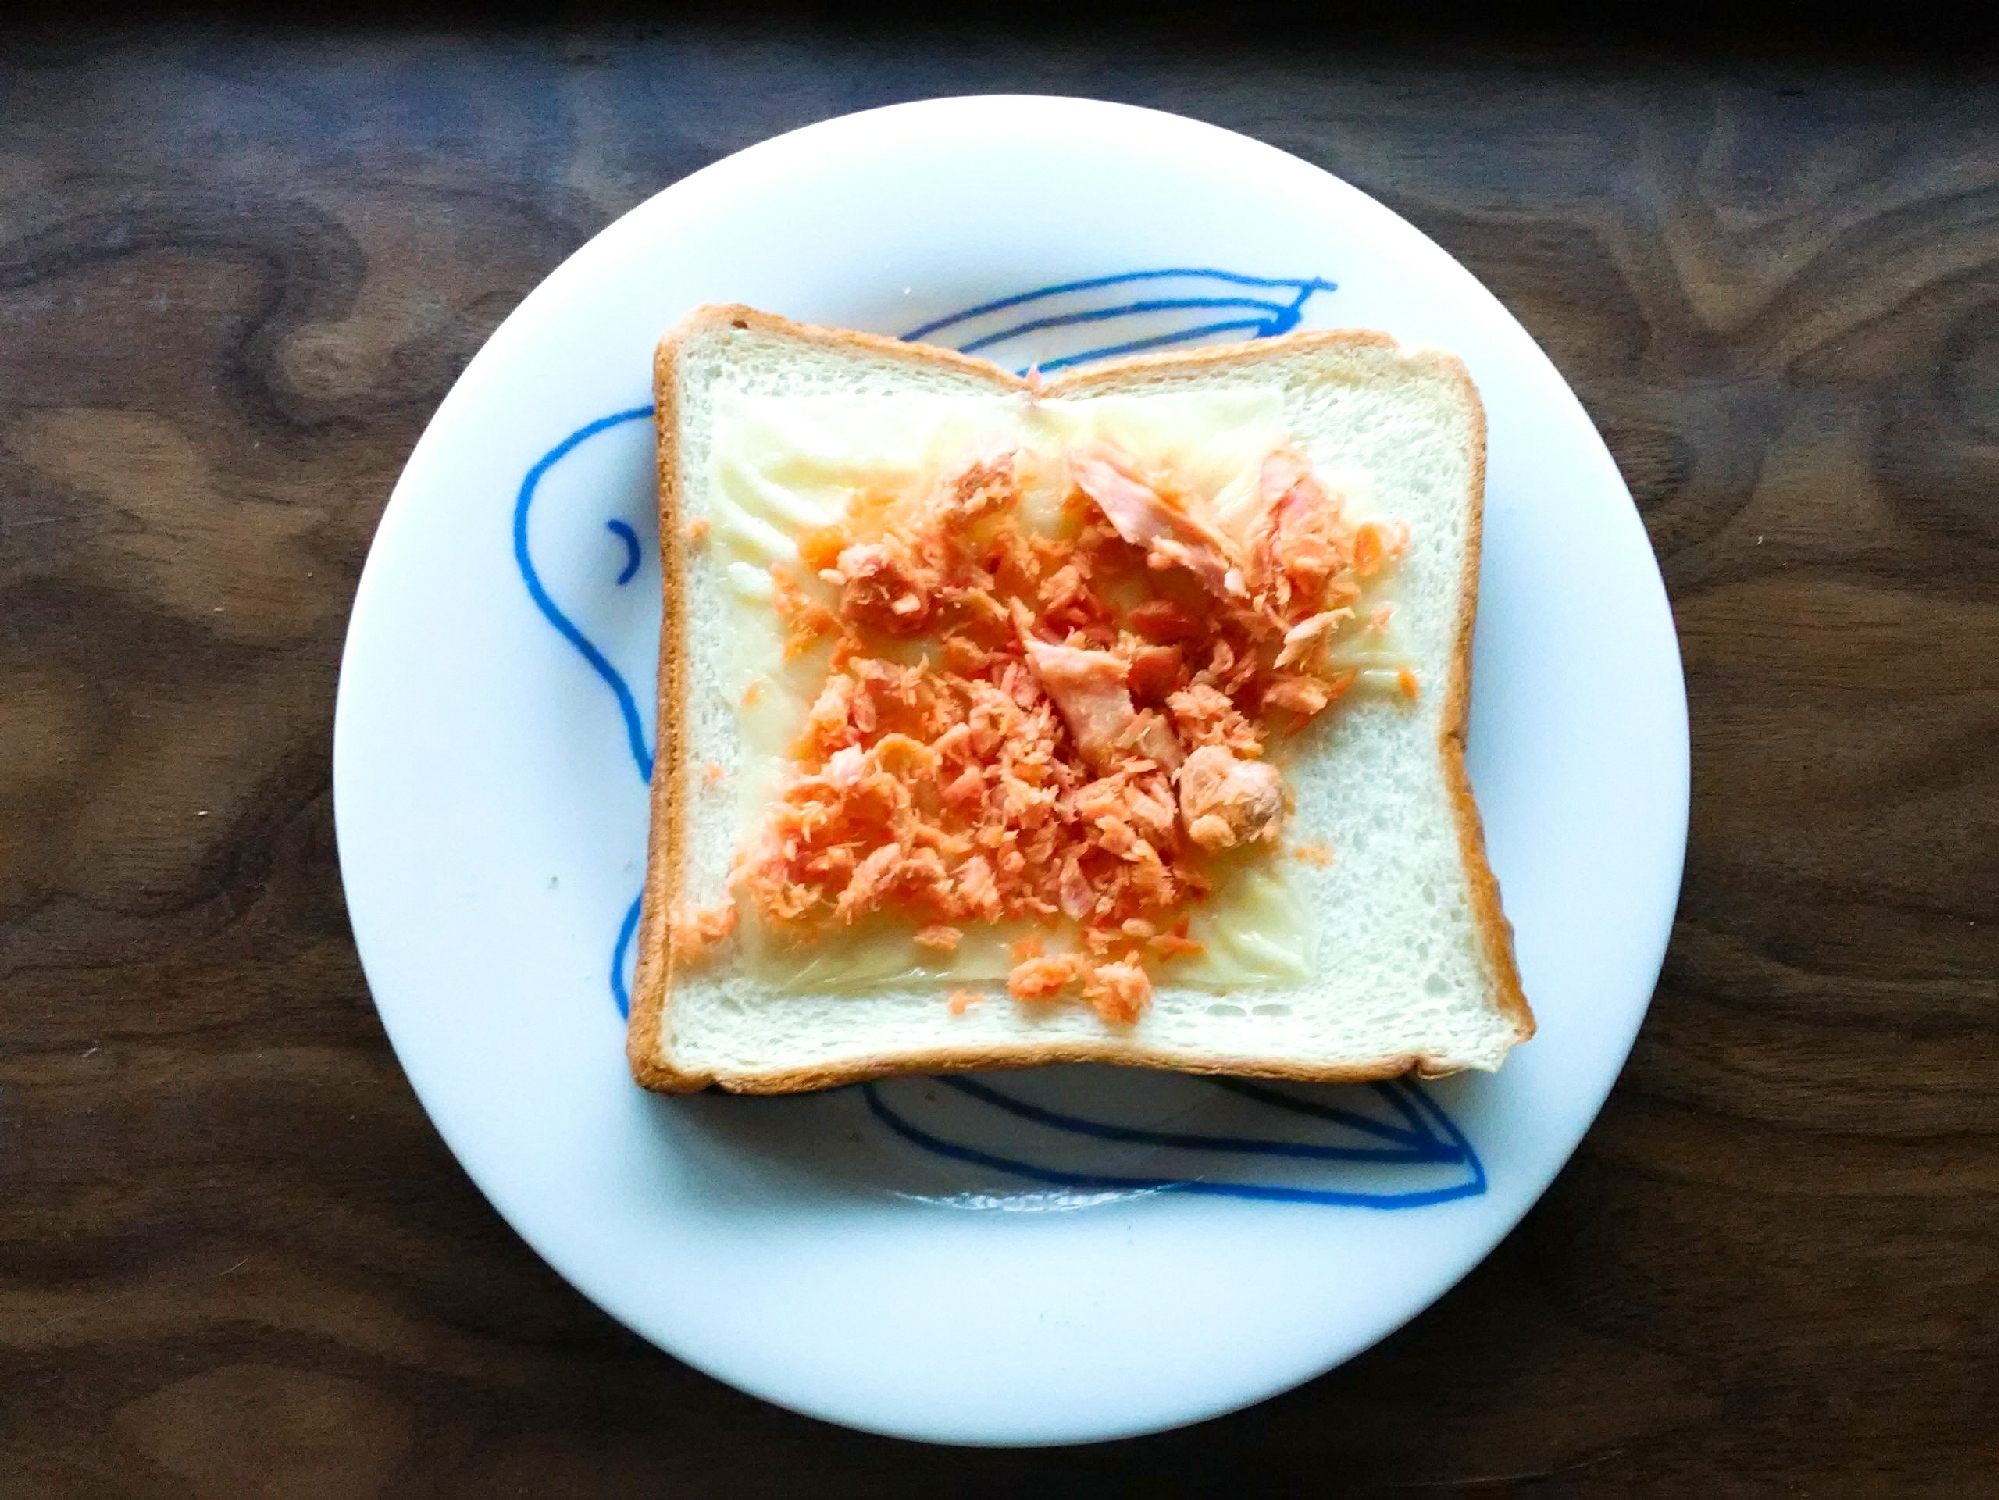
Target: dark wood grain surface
<point>238,272</point>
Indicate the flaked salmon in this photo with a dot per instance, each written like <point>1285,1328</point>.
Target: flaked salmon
<point>1057,728</point>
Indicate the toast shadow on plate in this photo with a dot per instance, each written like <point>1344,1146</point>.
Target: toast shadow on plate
<point>1076,1136</point>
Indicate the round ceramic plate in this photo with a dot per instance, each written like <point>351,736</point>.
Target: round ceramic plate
<point>1048,1256</point>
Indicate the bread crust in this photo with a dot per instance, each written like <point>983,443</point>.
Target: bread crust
<point>1495,932</point>
<point>651,1010</point>
<point>653,981</point>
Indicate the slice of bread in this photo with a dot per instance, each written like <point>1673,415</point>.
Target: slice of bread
<point>1410,964</point>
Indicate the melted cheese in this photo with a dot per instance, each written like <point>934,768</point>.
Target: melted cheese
<point>783,465</point>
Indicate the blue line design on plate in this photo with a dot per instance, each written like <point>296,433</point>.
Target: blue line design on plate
<point>564,626</point>
<point>1264,1094</point>
<point>1304,288</point>
<point>619,990</point>
<point>1450,1128</point>
<point>1103,314</point>
<point>1427,1135</point>
<point>1092,1182</point>
<point>623,532</point>
<point>1276,316</point>
<point>1415,1148</point>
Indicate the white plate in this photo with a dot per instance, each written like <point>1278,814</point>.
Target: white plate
<point>1042,1257</point>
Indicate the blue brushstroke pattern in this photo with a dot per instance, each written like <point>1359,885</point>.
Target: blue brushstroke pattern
<point>1430,1136</point>
<point>1269,314</point>
<point>1104,314</point>
<point>1304,288</point>
<point>1213,1187</point>
<point>623,532</point>
<point>628,706</point>
<point>620,991</point>
<point>1413,1147</point>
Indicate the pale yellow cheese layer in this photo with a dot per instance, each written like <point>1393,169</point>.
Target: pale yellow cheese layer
<point>784,465</point>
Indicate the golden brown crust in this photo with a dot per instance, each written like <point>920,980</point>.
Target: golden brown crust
<point>1040,1054</point>
<point>845,340</point>
<point>1081,382</point>
<point>652,987</point>
<point>1494,931</point>
<point>654,979</point>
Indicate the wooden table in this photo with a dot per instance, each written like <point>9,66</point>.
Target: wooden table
<point>236,276</point>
